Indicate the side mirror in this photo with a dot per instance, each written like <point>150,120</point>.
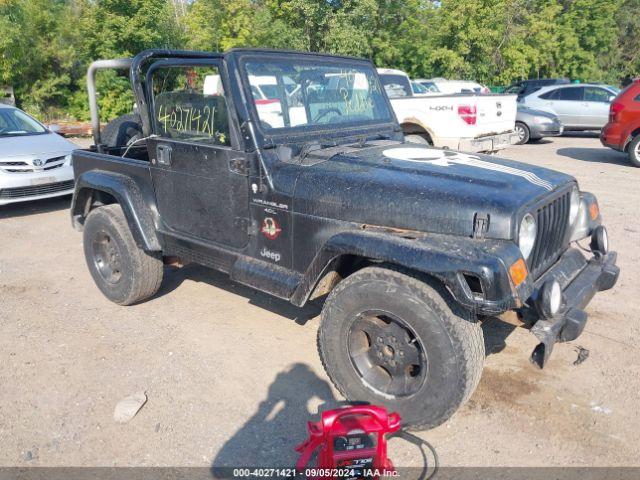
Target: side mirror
<point>54,127</point>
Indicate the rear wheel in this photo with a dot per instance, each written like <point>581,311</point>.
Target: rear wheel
<point>634,151</point>
<point>122,271</point>
<point>389,338</point>
<point>523,133</point>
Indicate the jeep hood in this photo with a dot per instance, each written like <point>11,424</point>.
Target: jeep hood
<point>412,187</point>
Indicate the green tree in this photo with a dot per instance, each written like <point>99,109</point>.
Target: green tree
<point>47,45</point>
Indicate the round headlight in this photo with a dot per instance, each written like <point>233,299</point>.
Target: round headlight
<point>527,235</point>
<point>555,298</point>
<point>550,299</point>
<point>575,205</point>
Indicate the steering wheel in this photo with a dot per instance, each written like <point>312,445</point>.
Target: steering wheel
<point>323,113</point>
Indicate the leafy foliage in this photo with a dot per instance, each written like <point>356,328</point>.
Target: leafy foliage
<point>46,45</point>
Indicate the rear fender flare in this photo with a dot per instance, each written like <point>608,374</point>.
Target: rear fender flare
<point>139,209</point>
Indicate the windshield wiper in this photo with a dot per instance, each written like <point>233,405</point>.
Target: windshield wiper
<point>362,141</point>
<point>307,148</point>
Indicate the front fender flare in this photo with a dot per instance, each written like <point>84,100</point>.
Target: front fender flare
<point>138,209</point>
<point>444,257</point>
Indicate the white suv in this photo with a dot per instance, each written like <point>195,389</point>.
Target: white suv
<point>35,162</point>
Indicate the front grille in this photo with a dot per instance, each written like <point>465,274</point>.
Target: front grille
<point>51,167</point>
<point>24,167</point>
<point>55,159</point>
<point>553,223</point>
<point>35,190</point>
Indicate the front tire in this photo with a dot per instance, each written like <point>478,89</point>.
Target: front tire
<point>522,130</point>
<point>123,272</point>
<point>634,151</point>
<point>389,338</point>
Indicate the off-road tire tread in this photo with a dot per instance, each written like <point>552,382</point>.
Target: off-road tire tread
<point>147,267</point>
<point>463,327</point>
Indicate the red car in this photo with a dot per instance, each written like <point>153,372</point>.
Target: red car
<point>623,130</point>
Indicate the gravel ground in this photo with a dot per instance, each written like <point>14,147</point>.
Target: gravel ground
<point>232,375</point>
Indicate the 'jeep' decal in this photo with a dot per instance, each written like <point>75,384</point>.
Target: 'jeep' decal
<point>445,159</point>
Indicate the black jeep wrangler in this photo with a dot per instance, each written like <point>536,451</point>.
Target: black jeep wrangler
<point>290,172</point>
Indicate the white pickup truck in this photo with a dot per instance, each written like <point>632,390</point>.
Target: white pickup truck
<point>468,122</point>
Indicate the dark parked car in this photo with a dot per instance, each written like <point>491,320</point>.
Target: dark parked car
<point>315,192</point>
<point>525,87</point>
<point>532,125</point>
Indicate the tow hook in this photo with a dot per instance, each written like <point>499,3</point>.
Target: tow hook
<point>560,328</point>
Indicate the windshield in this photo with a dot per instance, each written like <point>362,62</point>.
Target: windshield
<point>418,88</point>
<point>301,95</point>
<point>16,122</point>
<point>396,86</point>
<point>430,86</point>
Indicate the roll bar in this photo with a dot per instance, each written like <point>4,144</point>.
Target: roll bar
<point>116,64</point>
<point>135,66</point>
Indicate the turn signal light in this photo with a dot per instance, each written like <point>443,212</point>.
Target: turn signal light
<point>594,210</point>
<point>518,272</point>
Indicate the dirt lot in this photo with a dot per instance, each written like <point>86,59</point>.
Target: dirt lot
<point>231,375</point>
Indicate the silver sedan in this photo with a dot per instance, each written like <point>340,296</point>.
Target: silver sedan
<point>35,162</point>
<point>578,106</point>
<point>532,125</point>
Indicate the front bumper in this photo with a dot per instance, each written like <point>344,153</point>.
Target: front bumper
<point>540,130</point>
<point>22,187</point>
<point>580,280</point>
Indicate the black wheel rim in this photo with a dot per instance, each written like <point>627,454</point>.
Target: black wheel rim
<point>106,257</point>
<point>387,354</point>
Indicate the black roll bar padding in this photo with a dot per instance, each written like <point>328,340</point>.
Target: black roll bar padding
<point>117,64</point>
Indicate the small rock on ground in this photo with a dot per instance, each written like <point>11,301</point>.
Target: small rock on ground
<point>128,407</point>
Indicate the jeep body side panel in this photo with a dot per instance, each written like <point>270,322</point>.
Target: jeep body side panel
<point>198,191</point>
<point>126,180</point>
